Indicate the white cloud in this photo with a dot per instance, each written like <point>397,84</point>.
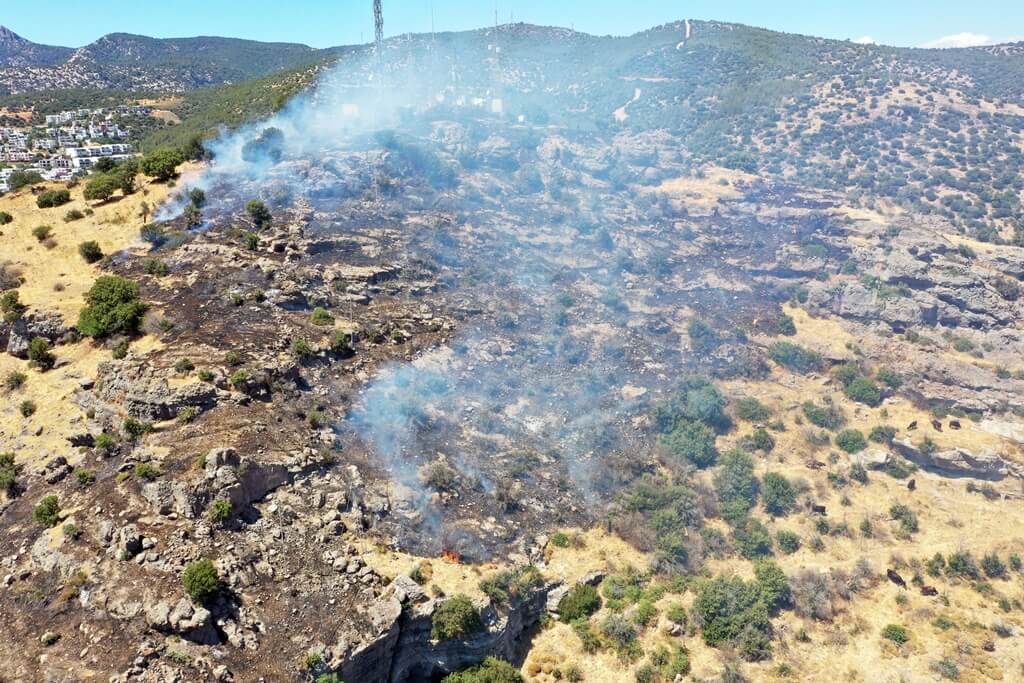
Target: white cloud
<point>865,40</point>
<point>965,39</point>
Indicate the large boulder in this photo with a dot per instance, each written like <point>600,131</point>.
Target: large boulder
<point>48,325</point>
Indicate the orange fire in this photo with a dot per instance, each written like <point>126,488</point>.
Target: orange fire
<point>451,556</point>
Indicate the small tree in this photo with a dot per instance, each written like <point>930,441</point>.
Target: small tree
<point>259,213</point>
<point>193,216</point>
<point>851,440</point>
<point>90,251</point>
<point>100,188</point>
<point>161,164</point>
<point>39,353</point>
<point>581,601</point>
<point>201,580</point>
<point>11,306</point>
<point>47,512</point>
<point>112,306</point>
<point>42,232</point>
<point>52,198</point>
<point>778,494</point>
<point>456,617</point>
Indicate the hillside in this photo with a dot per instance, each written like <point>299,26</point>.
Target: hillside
<point>693,356</point>
<point>130,62</point>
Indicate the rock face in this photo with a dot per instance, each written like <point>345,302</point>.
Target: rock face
<point>227,476</point>
<point>146,396</point>
<point>404,651</point>
<point>183,619</point>
<point>959,461</point>
<point>48,325</point>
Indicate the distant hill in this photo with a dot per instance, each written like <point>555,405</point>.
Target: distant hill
<point>130,62</point>
<point>16,51</point>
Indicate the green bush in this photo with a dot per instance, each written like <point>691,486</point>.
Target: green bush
<point>906,517</point>
<point>752,539</point>
<point>321,316</point>
<point>52,198</point>
<point>789,542</point>
<point>889,378</point>
<point>510,585</point>
<point>703,337</point>
<point>6,218</point>
<point>778,494</point>
<point>15,380</point>
<point>90,251</point>
<point>84,477</point>
<point>42,232</point>
<point>72,215</point>
<point>693,441</point>
<point>8,473</point>
<point>796,358</point>
<point>773,584</point>
<point>735,481</point>
<point>155,267</point>
<point>301,349</point>
<point>882,434</point>
<point>851,440</point>
<point>752,410</point>
<point>11,306</point>
<point>27,408</point>
<point>826,417</point>
<point>863,390</point>
<point>39,354</point>
<point>492,670</point>
<point>259,214</point>
<point>456,617</point>
<point>896,633</point>
<point>100,188</point>
<point>112,307</point>
<point>727,606</point>
<point>47,512</point>
<point>104,442</point>
<point>220,511</point>
<point>147,471</point>
<point>161,164</point>
<point>993,567</point>
<point>581,601</point>
<point>135,429</point>
<point>201,580</point>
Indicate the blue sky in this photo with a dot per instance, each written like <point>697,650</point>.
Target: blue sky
<point>322,23</point>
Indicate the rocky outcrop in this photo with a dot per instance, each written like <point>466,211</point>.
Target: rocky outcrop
<point>145,396</point>
<point>48,325</point>
<point>403,649</point>
<point>191,622</point>
<point>959,461</point>
<point>227,476</point>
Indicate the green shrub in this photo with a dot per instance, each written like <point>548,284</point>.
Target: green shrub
<point>735,481</point>
<point>703,337</point>
<point>851,440</point>
<point>889,378</point>
<point>251,241</point>
<point>84,477</point>
<point>882,434</point>
<point>112,307</point>
<point>993,567</point>
<point>134,429</point>
<point>90,251</point>
<point>896,633</point>
<point>758,440</point>
<point>8,473</point>
<point>727,606</point>
<point>778,494</point>
<point>906,517</point>
<point>72,215</point>
<point>47,512</point>
<point>752,410</point>
<point>27,408</point>
<point>259,214</point>
<point>15,380</point>
<point>161,164</point>
<point>39,354</point>
<point>456,617</point>
<point>220,511</point>
<point>581,601</point>
<point>795,358</point>
<point>6,218</point>
<point>232,358</point>
<point>692,441</point>
<point>321,317</point>
<point>752,539</point>
<point>201,580</point>
<point>826,417</point>
<point>301,349</point>
<point>676,613</point>
<point>863,390</point>
<point>11,306</point>
<point>239,378</point>
<point>492,670</point>
<point>789,542</point>
<point>773,584</point>
<point>511,585</point>
<point>42,232</point>
<point>560,539</point>
<point>622,636</point>
<point>155,267</point>
<point>147,471</point>
<point>52,198</point>
<point>104,442</point>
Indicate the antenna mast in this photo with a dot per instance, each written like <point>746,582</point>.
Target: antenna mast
<point>378,25</point>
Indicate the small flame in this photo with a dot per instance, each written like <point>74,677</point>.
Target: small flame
<point>451,556</point>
